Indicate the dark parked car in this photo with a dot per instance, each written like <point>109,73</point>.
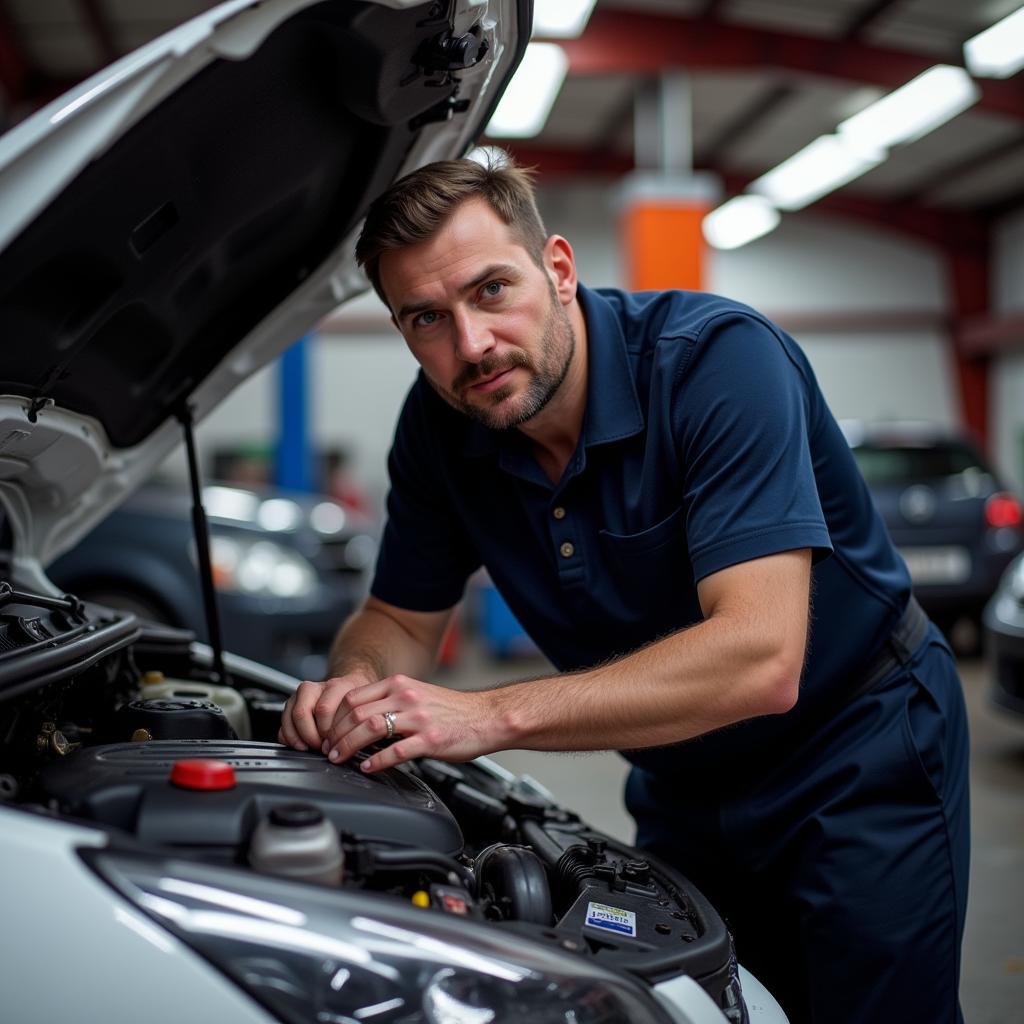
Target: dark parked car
<point>288,568</point>
<point>1004,639</point>
<point>955,524</point>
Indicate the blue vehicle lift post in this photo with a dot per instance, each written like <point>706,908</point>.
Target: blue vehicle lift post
<point>293,462</point>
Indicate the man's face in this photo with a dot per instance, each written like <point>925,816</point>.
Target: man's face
<point>481,318</point>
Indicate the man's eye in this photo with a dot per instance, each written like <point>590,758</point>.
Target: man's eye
<point>493,288</point>
<point>427,319</point>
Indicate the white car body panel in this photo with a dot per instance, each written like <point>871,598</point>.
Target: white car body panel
<point>134,969</point>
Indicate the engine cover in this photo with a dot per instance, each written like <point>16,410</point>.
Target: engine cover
<point>128,785</point>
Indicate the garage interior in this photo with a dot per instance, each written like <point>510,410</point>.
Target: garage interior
<point>903,282</point>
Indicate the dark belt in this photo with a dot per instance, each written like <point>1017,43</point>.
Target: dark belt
<point>897,650</point>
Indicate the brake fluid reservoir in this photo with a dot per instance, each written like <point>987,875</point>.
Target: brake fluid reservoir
<point>296,841</point>
<point>155,685</point>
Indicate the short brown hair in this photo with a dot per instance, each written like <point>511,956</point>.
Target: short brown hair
<point>416,206</point>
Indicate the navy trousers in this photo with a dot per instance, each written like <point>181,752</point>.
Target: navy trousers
<point>840,866</point>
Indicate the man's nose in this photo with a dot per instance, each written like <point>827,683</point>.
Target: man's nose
<point>473,338</point>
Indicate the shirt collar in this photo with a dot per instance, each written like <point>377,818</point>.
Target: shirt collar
<point>613,409</point>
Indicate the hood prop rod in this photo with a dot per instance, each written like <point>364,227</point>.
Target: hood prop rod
<point>201,529</point>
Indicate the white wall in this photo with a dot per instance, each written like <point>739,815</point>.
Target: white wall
<point>1008,369</point>
<point>1008,417</point>
<point>810,267</point>
<point>587,214</point>
<point>813,264</point>
<point>885,376</point>
<point>816,263</point>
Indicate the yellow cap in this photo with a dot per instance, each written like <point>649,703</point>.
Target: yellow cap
<point>421,899</point>
<point>148,678</point>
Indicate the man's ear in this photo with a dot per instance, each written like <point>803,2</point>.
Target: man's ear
<point>560,264</point>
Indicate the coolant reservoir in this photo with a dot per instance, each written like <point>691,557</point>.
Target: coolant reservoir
<point>295,840</point>
<point>156,685</point>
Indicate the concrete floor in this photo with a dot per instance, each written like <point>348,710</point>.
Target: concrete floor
<point>992,982</point>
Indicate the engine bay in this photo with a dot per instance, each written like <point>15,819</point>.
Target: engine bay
<point>143,741</point>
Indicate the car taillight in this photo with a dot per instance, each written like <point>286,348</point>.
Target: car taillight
<point>1002,510</point>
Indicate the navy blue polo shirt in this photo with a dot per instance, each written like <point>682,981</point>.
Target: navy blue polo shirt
<point>706,442</point>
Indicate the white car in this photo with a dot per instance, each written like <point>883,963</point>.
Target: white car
<point>167,228</point>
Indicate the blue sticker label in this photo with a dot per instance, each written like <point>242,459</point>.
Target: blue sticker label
<point>611,919</point>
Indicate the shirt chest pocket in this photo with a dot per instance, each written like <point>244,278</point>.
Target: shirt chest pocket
<point>651,569</point>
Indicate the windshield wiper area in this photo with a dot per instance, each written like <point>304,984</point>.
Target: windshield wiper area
<point>56,644</point>
<point>68,603</point>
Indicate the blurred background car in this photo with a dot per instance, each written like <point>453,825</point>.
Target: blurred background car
<point>955,524</point>
<point>1004,640</point>
<point>287,568</point>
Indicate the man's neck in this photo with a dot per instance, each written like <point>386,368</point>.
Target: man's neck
<point>555,430</point>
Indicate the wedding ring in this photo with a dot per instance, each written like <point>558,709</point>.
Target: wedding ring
<point>389,721</point>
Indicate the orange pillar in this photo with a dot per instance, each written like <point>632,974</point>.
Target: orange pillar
<point>661,235</point>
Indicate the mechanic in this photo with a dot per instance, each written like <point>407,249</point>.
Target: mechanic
<point>657,488</point>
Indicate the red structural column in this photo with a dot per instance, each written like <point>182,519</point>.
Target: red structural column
<point>969,274</point>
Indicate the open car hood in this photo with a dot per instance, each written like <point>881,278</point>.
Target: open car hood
<point>177,220</point>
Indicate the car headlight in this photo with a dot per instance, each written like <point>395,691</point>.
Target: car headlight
<point>279,514</point>
<point>243,565</point>
<point>359,552</point>
<point>339,956</point>
<point>328,518</point>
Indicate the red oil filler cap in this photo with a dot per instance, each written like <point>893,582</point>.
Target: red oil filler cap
<point>203,773</point>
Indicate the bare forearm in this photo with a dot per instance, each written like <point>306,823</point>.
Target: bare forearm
<point>744,660</point>
<point>379,641</point>
<point>374,644</point>
<point>682,686</point>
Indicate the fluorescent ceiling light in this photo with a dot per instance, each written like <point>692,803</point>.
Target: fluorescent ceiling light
<point>739,221</point>
<point>825,165</point>
<point>913,110</point>
<point>561,19</point>
<point>489,156</point>
<point>998,52</point>
<point>530,95</point>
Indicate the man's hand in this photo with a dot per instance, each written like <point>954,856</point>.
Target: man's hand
<point>377,640</point>
<point>310,711</point>
<point>432,721</point>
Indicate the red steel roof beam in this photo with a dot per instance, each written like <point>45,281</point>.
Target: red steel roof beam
<point>647,44</point>
<point>944,227</point>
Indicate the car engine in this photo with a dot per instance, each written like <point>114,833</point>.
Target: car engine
<point>131,732</point>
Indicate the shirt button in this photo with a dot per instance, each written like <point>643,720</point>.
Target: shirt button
<point>558,513</point>
<point>567,550</point>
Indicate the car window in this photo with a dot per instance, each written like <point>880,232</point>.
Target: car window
<point>890,464</point>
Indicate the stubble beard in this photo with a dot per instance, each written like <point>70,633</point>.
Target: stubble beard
<point>557,349</point>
